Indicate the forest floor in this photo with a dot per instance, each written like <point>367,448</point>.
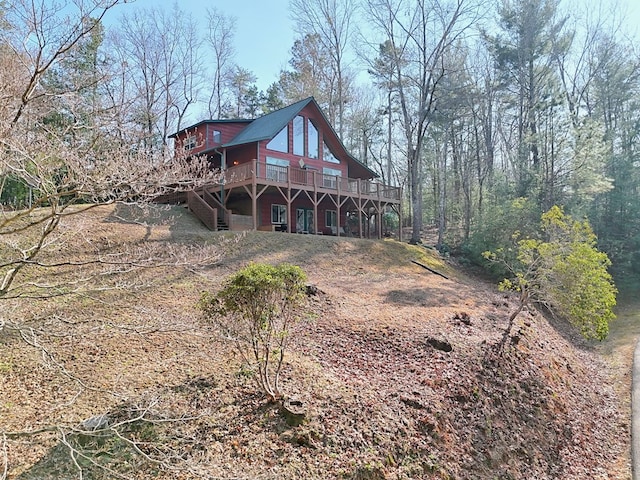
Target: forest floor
<point>401,371</point>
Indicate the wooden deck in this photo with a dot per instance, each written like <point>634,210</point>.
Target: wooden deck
<point>310,180</point>
<point>365,197</point>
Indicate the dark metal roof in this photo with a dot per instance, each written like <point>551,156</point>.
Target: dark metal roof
<point>268,126</point>
<point>210,121</point>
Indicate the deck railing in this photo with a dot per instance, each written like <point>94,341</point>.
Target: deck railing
<point>312,178</point>
<point>205,212</point>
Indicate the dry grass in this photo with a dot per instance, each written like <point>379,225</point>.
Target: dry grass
<point>382,402</point>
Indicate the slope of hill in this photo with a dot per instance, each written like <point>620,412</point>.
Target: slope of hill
<point>399,368</point>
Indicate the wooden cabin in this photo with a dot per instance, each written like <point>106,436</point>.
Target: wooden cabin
<point>286,171</point>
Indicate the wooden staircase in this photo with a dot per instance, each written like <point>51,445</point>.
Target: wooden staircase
<point>209,210</point>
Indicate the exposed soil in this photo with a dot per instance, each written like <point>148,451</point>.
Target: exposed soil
<point>400,370</point>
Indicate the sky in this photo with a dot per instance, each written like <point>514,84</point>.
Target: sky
<point>264,30</point>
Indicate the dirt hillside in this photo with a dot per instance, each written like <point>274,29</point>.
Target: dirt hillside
<point>400,369</point>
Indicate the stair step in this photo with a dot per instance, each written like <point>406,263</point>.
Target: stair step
<point>222,226</point>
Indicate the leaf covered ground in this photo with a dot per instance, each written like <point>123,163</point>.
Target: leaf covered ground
<point>398,368</point>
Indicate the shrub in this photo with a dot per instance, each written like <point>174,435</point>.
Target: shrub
<point>256,310</point>
<point>564,271</point>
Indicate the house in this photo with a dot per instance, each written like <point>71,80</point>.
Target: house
<point>285,171</point>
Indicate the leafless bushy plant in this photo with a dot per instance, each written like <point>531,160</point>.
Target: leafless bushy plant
<point>65,149</point>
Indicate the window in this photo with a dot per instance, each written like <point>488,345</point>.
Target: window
<point>190,142</point>
<point>330,218</point>
<point>298,135</point>
<point>312,140</point>
<point>217,136</point>
<point>278,214</point>
<point>277,169</point>
<point>329,177</point>
<point>327,154</point>
<point>280,143</point>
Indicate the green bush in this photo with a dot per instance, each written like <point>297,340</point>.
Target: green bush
<point>256,310</point>
<point>563,271</point>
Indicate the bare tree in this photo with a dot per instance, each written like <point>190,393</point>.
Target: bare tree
<point>363,133</point>
<point>160,52</point>
<point>418,36</point>
<point>52,32</point>
<point>221,29</point>
<point>186,84</point>
<point>583,51</point>
<point>331,21</point>
<point>482,102</point>
<point>49,177</point>
<point>136,44</point>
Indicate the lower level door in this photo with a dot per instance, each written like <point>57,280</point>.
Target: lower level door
<point>304,220</point>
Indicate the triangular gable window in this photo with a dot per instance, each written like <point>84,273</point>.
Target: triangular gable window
<point>280,143</point>
<point>327,154</point>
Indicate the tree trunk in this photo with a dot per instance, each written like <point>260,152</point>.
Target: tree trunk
<point>416,200</point>
<point>442,198</point>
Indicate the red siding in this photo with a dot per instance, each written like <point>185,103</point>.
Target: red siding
<point>205,135</point>
<point>241,154</point>
<point>227,131</point>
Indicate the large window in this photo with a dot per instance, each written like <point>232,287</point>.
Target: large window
<point>280,143</point>
<point>312,140</point>
<point>327,154</point>
<point>298,135</point>
<point>278,214</point>
<point>330,218</point>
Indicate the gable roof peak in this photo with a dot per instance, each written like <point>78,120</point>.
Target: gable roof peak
<point>267,126</point>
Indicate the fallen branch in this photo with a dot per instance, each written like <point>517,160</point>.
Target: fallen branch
<point>430,269</point>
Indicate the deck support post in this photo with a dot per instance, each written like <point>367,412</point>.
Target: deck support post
<point>379,208</point>
<point>254,195</point>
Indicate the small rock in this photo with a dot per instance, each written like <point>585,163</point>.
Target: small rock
<point>463,317</point>
<point>313,290</point>
<point>438,344</point>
